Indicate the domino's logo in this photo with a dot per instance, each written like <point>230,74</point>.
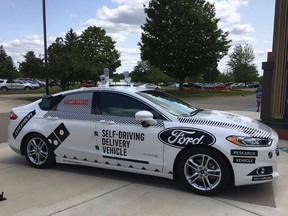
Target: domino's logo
<point>58,135</point>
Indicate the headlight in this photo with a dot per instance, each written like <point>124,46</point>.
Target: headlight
<point>249,141</point>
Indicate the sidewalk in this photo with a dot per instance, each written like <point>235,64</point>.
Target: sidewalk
<point>7,104</point>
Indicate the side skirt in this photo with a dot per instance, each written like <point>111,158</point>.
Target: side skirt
<point>113,167</point>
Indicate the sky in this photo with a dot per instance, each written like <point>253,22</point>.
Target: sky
<point>21,25</point>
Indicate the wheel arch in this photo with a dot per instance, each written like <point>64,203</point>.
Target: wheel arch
<point>24,140</point>
<point>195,147</point>
<point>5,88</point>
<point>39,156</point>
<point>27,87</point>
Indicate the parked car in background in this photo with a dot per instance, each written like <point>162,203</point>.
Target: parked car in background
<point>173,84</point>
<point>215,86</point>
<point>53,83</point>
<point>237,85</point>
<point>88,83</point>
<point>228,83</point>
<point>15,85</point>
<point>33,83</point>
<point>149,86</point>
<point>193,85</point>
<point>41,82</point>
<point>252,85</point>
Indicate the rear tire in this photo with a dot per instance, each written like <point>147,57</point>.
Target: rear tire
<point>27,88</point>
<point>204,171</point>
<point>38,151</point>
<point>4,89</point>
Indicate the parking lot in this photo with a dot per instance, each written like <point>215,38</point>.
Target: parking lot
<point>76,190</point>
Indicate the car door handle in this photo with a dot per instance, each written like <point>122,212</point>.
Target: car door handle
<point>106,122</point>
<point>52,118</point>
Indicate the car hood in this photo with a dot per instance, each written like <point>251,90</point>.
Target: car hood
<point>225,120</point>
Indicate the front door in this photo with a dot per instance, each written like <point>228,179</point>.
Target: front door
<point>122,140</point>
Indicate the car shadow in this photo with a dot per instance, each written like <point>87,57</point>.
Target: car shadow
<point>260,194</point>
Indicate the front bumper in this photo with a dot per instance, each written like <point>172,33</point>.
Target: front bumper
<point>259,166</point>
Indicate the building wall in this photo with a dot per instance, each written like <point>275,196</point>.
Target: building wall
<point>275,81</point>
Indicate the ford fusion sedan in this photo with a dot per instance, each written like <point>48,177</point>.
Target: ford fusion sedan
<point>147,132</point>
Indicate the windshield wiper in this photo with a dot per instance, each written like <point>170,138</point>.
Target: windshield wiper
<point>195,112</point>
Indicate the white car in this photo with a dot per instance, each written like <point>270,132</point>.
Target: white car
<point>33,83</point>
<point>148,132</point>
<point>15,85</point>
<point>237,85</point>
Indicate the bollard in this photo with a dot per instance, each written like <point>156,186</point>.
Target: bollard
<point>2,198</point>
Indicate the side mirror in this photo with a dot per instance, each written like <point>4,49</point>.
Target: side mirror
<point>146,118</point>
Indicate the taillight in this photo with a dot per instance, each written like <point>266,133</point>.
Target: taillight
<point>13,116</point>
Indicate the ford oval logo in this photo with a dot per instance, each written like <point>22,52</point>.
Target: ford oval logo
<point>181,137</point>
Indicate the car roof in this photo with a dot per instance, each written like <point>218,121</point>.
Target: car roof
<point>127,89</point>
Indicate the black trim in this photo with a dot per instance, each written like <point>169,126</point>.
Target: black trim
<point>126,159</point>
<point>22,123</point>
<point>262,178</point>
<point>244,160</point>
<point>249,153</point>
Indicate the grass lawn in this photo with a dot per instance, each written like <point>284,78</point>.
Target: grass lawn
<point>42,90</point>
<point>189,94</point>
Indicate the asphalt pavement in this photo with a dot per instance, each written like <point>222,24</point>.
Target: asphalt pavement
<point>76,190</point>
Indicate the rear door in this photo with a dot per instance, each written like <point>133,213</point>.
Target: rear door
<point>10,84</point>
<point>17,85</point>
<point>71,127</point>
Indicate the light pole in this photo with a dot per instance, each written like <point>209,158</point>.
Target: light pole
<point>45,44</point>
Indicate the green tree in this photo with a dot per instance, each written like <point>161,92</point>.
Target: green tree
<point>226,76</point>
<point>3,56</point>
<point>32,66</point>
<point>7,67</point>
<point>65,62</point>
<point>241,63</point>
<point>77,58</point>
<point>117,77</point>
<point>211,74</point>
<point>144,72</point>
<point>99,51</point>
<point>140,72</point>
<point>182,38</point>
<point>8,70</point>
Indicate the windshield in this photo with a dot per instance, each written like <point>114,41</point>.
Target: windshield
<point>168,102</point>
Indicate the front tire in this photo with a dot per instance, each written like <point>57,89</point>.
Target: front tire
<point>38,151</point>
<point>204,171</point>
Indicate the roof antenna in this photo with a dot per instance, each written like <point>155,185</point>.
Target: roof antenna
<point>104,79</point>
<point>127,78</point>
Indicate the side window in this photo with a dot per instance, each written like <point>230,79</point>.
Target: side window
<point>79,102</point>
<point>121,105</point>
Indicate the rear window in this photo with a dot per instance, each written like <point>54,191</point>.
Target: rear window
<point>77,102</point>
<point>48,102</point>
